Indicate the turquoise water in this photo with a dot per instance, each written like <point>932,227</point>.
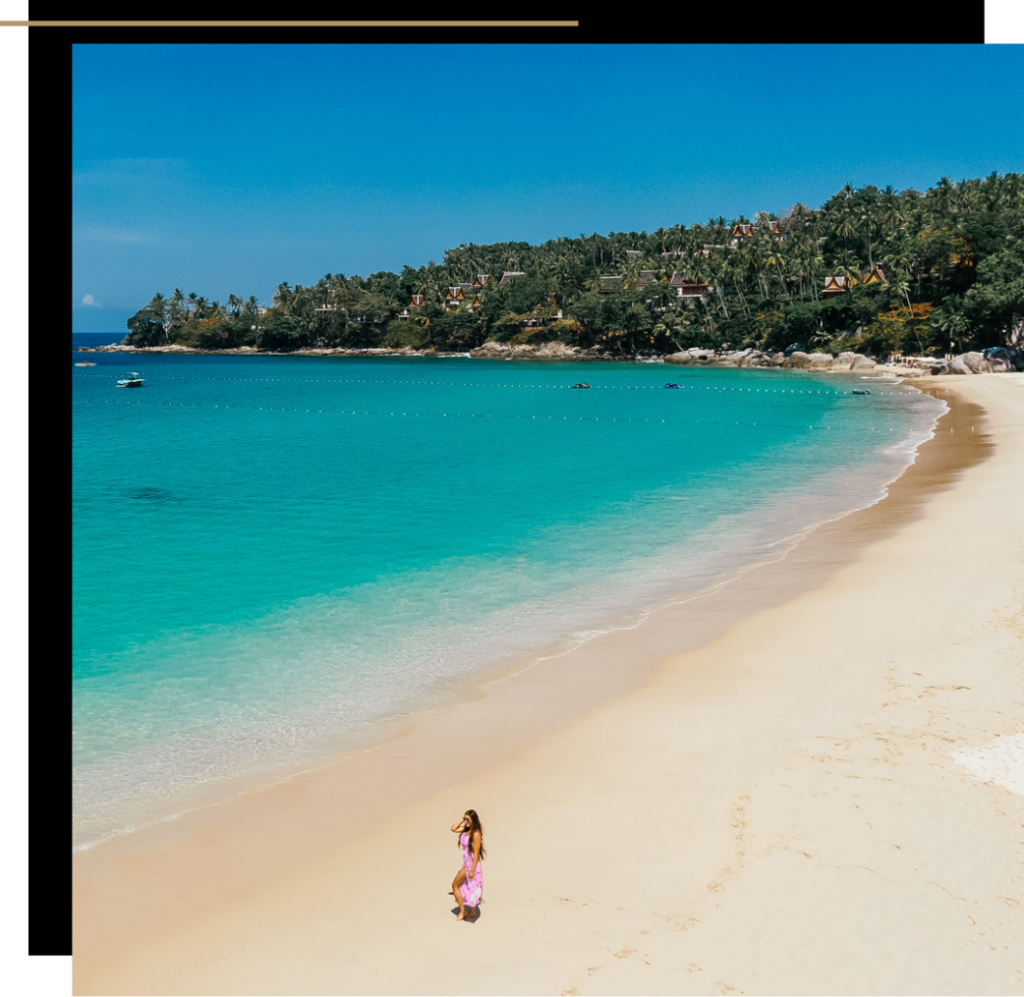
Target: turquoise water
<point>271,554</point>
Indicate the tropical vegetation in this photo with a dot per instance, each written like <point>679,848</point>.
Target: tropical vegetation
<point>948,269</point>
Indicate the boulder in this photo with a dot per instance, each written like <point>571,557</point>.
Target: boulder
<point>679,358</point>
<point>957,366</point>
<point>557,350</point>
<point>808,361</point>
<point>844,361</point>
<point>940,367</point>
<point>852,361</point>
<point>976,363</point>
<point>491,350</point>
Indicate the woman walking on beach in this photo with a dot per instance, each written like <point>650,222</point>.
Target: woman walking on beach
<point>468,884</point>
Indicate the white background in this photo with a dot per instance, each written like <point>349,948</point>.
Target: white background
<point>35,977</point>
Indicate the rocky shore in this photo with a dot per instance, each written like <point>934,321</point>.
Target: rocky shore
<point>966,363</point>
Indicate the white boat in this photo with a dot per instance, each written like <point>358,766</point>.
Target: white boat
<point>131,379</point>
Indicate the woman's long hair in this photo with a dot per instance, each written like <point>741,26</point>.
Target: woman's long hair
<point>475,825</point>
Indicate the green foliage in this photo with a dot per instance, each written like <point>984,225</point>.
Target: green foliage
<point>404,332</point>
<point>278,331</point>
<point>906,330</point>
<point>956,246</point>
<point>997,296</point>
<point>206,334</point>
<point>145,329</point>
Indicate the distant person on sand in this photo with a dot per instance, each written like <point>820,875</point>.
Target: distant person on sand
<point>468,884</point>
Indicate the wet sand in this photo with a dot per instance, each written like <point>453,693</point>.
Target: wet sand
<point>750,792</point>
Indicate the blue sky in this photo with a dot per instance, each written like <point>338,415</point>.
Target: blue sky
<point>228,169</point>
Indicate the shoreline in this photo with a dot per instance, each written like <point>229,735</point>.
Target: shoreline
<point>719,584</point>
<point>554,352</point>
<point>139,898</point>
<point>557,352</point>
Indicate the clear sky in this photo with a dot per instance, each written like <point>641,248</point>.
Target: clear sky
<point>228,169</point>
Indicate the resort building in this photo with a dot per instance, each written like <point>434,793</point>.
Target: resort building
<point>744,230</point>
<point>415,302</point>
<point>684,288</point>
<point>618,282</point>
<point>836,283</point>
<point>326,307</point>
<point>508,275</point>
<point>466,293</point>
<point>462,294</point>
<point>688,288</point>
<point>740,231</point>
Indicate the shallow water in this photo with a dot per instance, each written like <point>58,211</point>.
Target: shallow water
<point>273,553</point>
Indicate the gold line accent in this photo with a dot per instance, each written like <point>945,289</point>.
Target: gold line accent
<point>289,24</point>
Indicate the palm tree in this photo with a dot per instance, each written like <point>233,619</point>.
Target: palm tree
<point>901,286</point>
<point>736,270</point>
<point>715,269</point>
<point>866,217</point>
<point>776,258</point>
<point>951,320</point>
<point>283,294</point>
<point>177,307</point>
<point>815,264</point>
<point>751,254</point>
<point>892,210</point>
<point>158,305</point>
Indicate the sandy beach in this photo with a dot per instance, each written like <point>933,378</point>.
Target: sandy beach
<point>802,783</point>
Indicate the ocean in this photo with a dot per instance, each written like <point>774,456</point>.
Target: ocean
<point>272,555</point>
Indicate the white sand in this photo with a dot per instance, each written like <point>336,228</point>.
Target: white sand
<point>788,809</point>
<point>1001,762</point>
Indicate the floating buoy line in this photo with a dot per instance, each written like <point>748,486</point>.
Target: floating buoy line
<point>476,384</point>
<point>463,415</point>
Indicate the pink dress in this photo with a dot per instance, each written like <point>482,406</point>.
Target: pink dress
<point>472,889</point>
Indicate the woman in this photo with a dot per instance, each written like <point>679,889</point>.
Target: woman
<point>468,884</point>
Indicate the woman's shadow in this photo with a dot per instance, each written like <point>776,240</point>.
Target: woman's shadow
<point>472,913</point>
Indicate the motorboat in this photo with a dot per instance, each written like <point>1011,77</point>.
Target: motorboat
<point>582,384</point>
<point>131,379</point>
<point>862,391</point>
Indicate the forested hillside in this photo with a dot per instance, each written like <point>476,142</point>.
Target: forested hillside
<point>875,271</point>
